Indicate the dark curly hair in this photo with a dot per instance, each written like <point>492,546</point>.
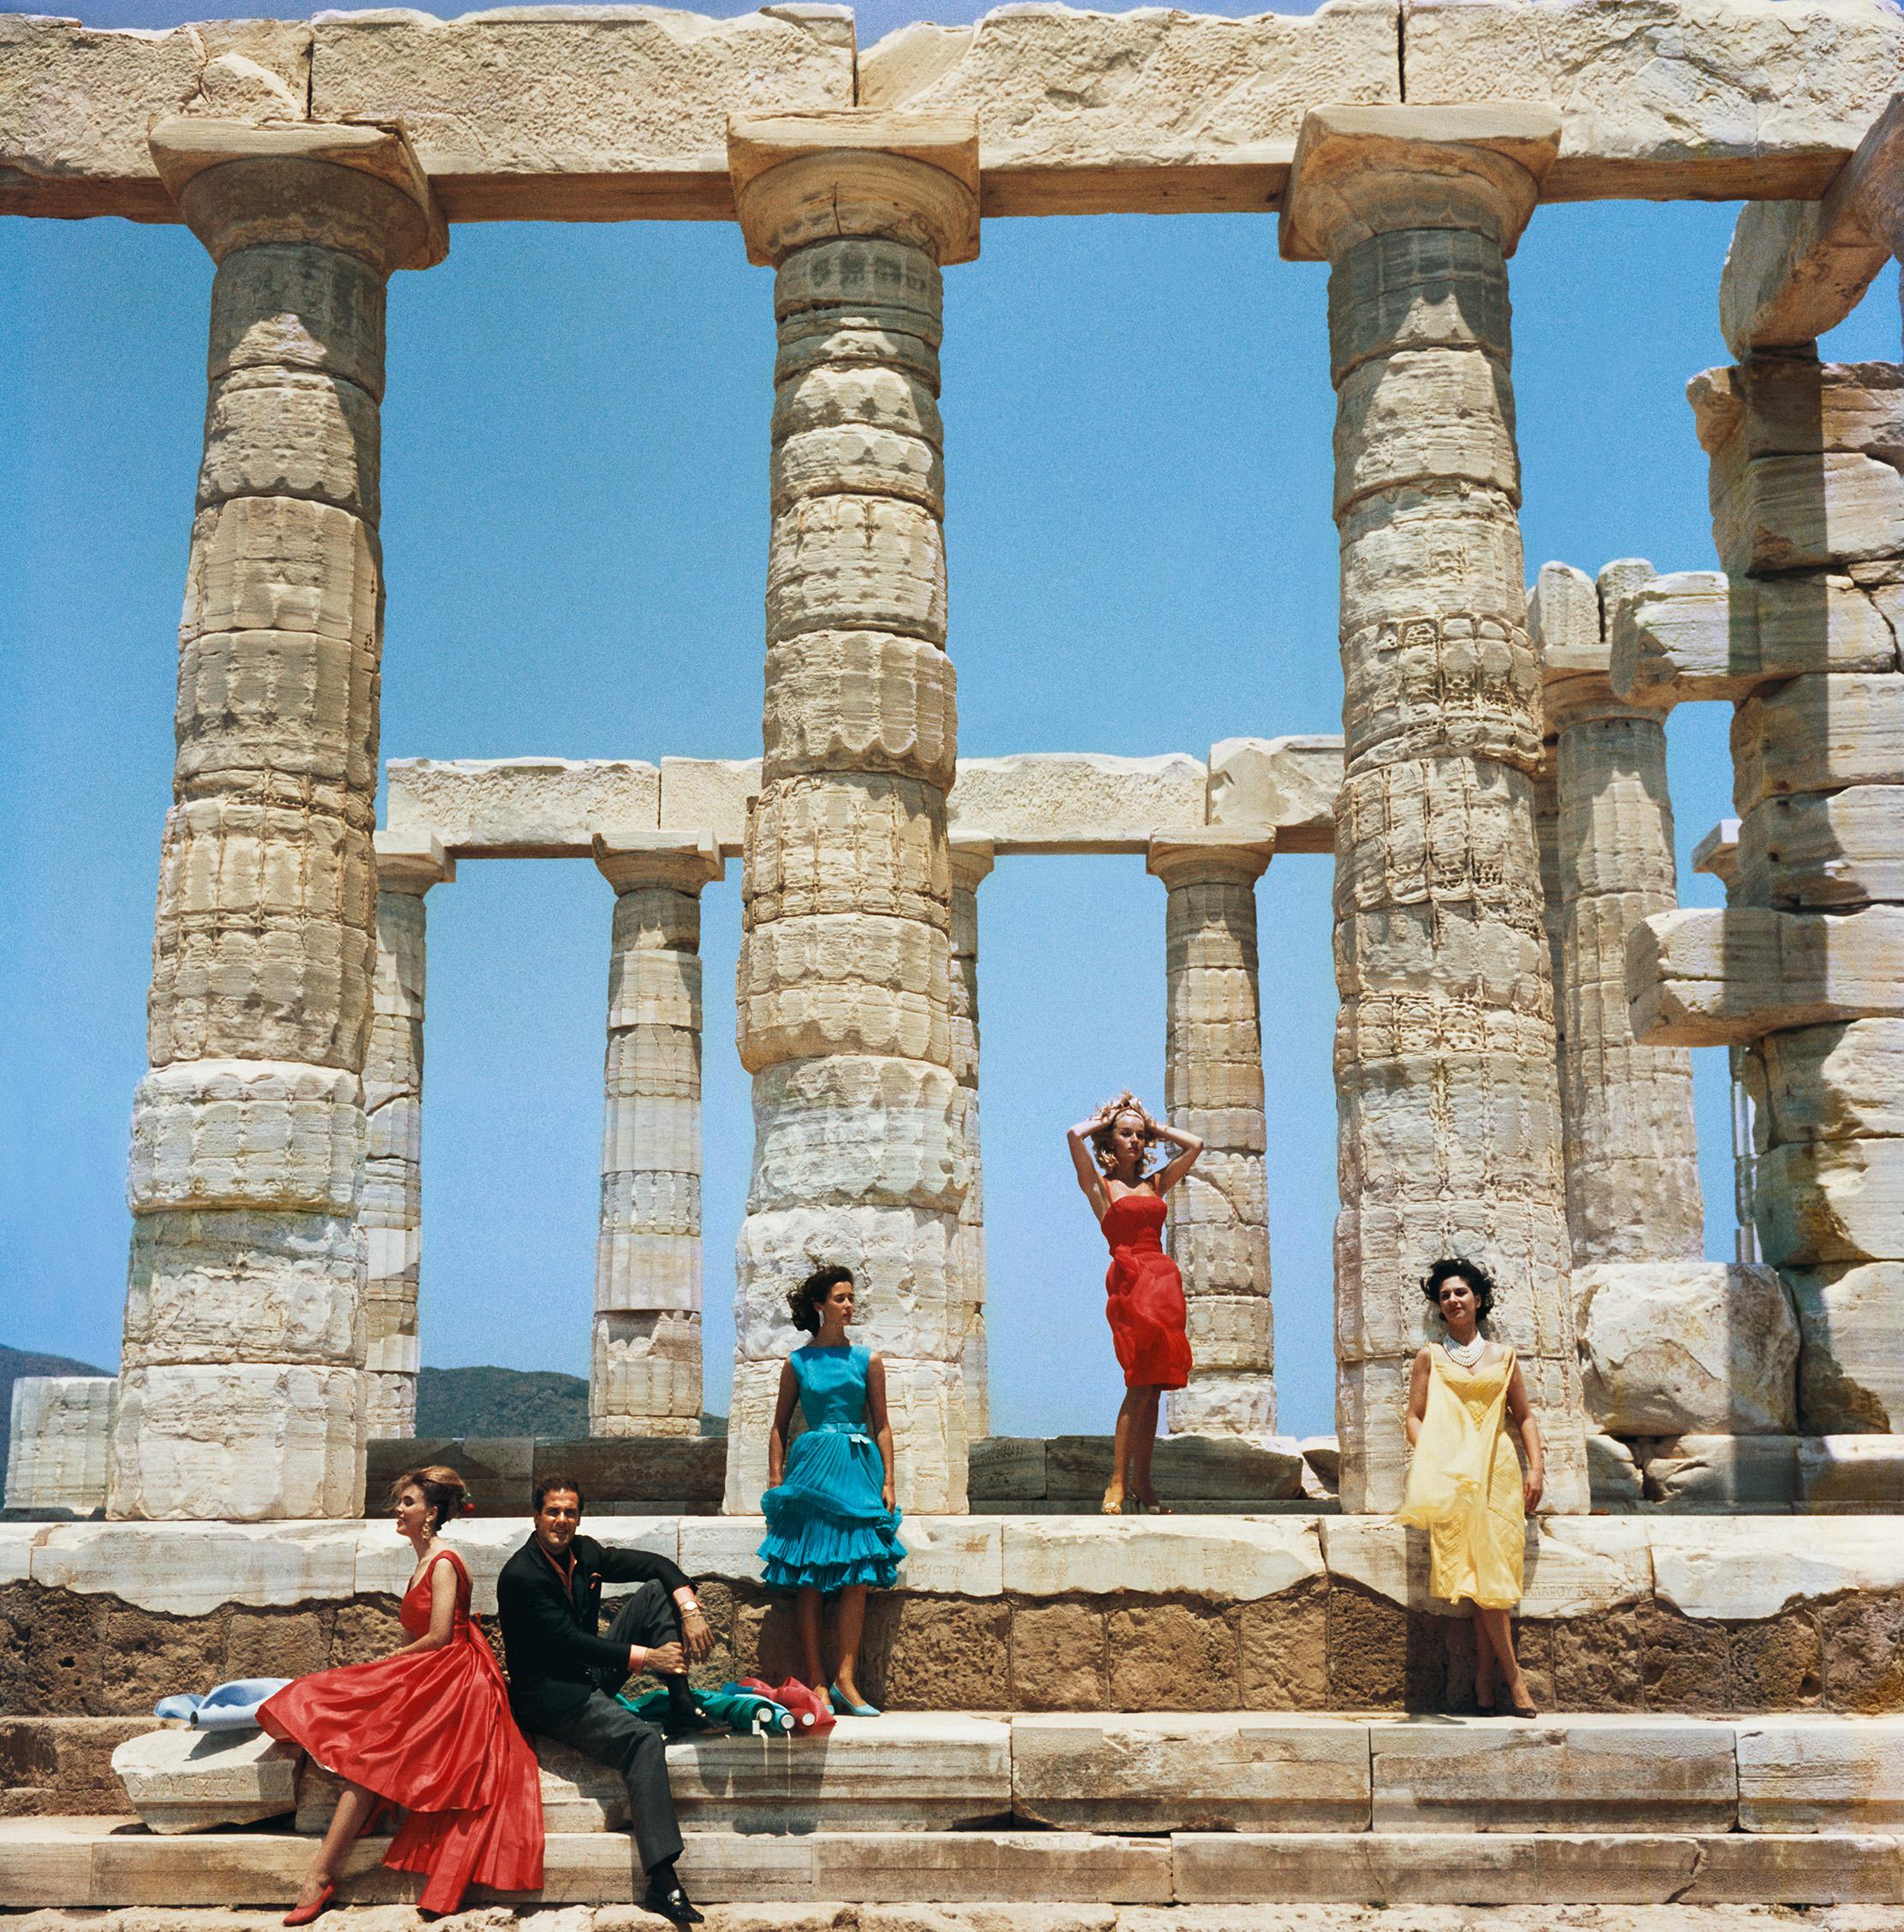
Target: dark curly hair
<point>803,1304</point>
<point>1472,1272</point>
<point>441,1487</point>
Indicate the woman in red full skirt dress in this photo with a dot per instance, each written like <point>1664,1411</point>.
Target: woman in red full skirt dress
<point>427,1728</point>
<point>1143,1291</point>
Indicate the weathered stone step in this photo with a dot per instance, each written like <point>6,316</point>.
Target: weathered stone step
<point>102,1862</point>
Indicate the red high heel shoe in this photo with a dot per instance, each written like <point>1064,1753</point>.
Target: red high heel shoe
<point>302,1915</point>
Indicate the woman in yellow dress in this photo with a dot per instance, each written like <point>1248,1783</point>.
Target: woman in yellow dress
<point>1465,1487</point>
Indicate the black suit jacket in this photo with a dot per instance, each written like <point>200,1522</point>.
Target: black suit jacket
<point>550,1633</point>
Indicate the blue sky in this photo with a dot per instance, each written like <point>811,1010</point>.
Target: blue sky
<point>1138,418</point>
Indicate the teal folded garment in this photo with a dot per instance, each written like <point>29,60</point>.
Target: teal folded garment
<point>739,1710</point>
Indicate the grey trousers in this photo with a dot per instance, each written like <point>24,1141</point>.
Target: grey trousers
<point>611,1733</point>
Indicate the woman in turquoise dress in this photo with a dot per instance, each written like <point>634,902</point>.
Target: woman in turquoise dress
<point>831,1525</point>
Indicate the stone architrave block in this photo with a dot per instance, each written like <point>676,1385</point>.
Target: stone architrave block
<point>1834,851</point>
<point>1076,110</point>
<point>1611,1473</point>
<point>1850,1367</point>
<point>1075,802</point>
<point>58,1442</point>
<point>1712,977</point>
<point>523,807</point>
<point>1238,1558</point>
<point>1686,1348</point>
<point>1562,1774</point>
<point>1725,1474</point>
<point>711,794</point>
<point>1750,98</point>
<point>1191,1772</point>
<point>1801,1773</point>
<point>567,115</point>
<point>1289,783</point>
<point>1852,1474</point>
<point>1745,1568</point>
<point>1817,733</point>
<point>1831,1083</point>
<point>181,1780</point>
<point>1831,1201</point>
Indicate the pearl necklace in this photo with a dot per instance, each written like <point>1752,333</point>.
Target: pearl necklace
<point>1469,1352</point>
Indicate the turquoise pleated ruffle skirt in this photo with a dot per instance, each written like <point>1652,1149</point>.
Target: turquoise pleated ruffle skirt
<point>826,1526</point>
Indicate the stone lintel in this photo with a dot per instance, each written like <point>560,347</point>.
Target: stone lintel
<point>185,147</point>
<point>798,178</point>
<point>972,860</point>
<point>1226,854</point>
<point>1289,783</point>
<point>1717,853</point>
<point>683,861</point>
<point>1796,269</point>
<point>411,861</point>
<point>1360,171</point>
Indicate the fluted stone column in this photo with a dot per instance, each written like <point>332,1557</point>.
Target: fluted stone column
<point>1447,1087</point>
<point>971,864</point>
<point>644,1375</point>
<point>1213,1087</point>
<point>407,865</point>
<point>844,1015</point>
<point>59,1442</point>
<point>240,1392</point>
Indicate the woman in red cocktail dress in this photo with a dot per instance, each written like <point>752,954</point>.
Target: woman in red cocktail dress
<point>427,1728</point>
<point>1143,1291</point>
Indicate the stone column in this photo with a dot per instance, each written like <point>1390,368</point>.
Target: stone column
<point>971,864</point>
<point>844,1015</point>
<point>645,1374</point>
<point>240,1392</point>
<point>57,1445</point>
<point>1213,1086</point>
<point>1447,1086</point>
<point>407,865</point>
<point>1804,961</point>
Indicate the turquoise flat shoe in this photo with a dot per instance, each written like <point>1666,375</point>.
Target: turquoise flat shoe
<point>842,1702</point>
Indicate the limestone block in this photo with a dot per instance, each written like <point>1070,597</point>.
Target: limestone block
<point>660,1132</point>
<point>1190,1772</point>
<point>1287,783</point>
<point>1831,1083</point>
<point>1816,734</point>
<point>1834,851</point>
<point>653,1063</point>
<point>76,102</point>
<point>709,794</point>
<point>636,105</point>
<point>1831,1201</point>
<point>651,1202</point>
<point>1850,1367</point>
<point>1712,978</point>
<point>188,1569</point>
<point>904,1259</point>
<point>1611,1472</point>
<point>1754,92</point>
<point>750,1417</point>
<point>1223,1403</point>
<point>868,429</point>
<point>522,807</point>
<point>244,1442</point>
<point>1422,416</point>
<point>1724,1473</point>
<point>60,1433</point>
<point>280,432</point>
<point>1804,513</point>
<point>843,983</point>
<point>644,1375</point>
<point>862,701</point>
<point>1564,620</point>
<point>651,988</point>
<point>285,306</point>
<point>1426,964</point>
<point>281,564</point>
<point>1687,1348</point>
<point>1075,802</point>
<point>1235,1558</point>
<point>1852,1474</point>
<point>851,1129</point>
<point>1376,306</point>
<point>1699,634</point>
<point>1565,1774</point>
<point>848,843</point>
<point>244,1285</point>
<point>1230,1331</point>
<point>955,1866</point>
<point>925,1402</point>
<point>1616,815</point>
<point>181,1780</point>
<point>636,1273</point>
<point>1802,1774</point>
<point>1747,1569</point>
<point>848,563</point>
<point>246,1134</point>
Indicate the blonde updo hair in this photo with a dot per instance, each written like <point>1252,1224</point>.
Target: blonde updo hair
<point>1113,1110</point>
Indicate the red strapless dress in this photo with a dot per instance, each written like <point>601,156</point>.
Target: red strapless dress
<point>432,1732</point>
<point>1144,1295</point>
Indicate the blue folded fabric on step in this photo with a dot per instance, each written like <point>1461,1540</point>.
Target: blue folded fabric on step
<point>230,1707</point>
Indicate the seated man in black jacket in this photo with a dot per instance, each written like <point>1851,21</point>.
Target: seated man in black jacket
<point>563,1674</point>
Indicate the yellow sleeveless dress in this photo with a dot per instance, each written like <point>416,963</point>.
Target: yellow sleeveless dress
<point>1464,1485</point>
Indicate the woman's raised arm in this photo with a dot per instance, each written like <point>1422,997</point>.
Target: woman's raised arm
<point>1089,1177</point>
<point>1188,1147</point>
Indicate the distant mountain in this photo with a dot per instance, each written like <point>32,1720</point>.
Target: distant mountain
<point>17,1362</point>
<point>453,1402</point>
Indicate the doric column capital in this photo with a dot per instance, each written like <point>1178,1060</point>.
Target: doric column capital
<point>1360,171</point>
<point>682,862</point>
<point>803,178</point>
<point>360,190</point>
<point>411,861</point>
<point>972,860</point>
<point>1216,855</point>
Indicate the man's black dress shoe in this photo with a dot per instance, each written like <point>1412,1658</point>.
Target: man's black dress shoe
<point>672,1903</point>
